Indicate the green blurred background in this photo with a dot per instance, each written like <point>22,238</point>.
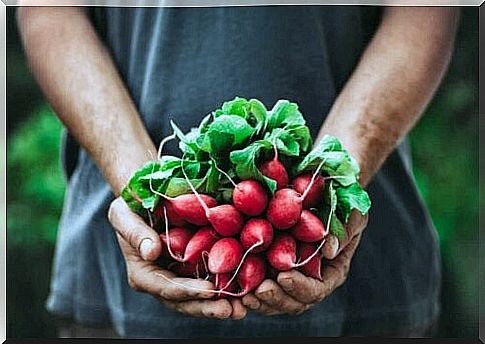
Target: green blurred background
<point>445,152</point>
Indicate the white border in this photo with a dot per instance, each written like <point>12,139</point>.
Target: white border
<point>147,3</point>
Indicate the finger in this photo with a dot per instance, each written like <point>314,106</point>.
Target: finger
<point>270,293</point>
<point>268,311</point>
<point>251,301</point>
<point>132,227</point>
<point>330,247</point>
<point>333,246</point>
<point>238,309</point>
<point>310,290</point>
<point>147,277</point>
<point>219,309</point>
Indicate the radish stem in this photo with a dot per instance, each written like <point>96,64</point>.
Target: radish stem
<point>225,174</point>
<point>201,201</point>
<point>162,143</point>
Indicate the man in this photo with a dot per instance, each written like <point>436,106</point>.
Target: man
<point>116,78</point>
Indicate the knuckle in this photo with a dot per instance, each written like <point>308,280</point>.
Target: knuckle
<point>133,283</point>
<point>113,208</point>
<point>133,238</point>
<point>165,294</point>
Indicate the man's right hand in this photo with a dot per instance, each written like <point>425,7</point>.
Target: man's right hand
<point>141,246</point>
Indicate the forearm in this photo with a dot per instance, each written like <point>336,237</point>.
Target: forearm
<point>396,77</point>
<point>85,90</point>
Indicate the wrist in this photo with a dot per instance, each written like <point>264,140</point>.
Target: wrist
<point>120,169</point>
<point>357,147</point>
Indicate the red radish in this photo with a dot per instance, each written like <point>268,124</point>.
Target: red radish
<point>225,255</point>
<point>275,170</point>
<point>173,217</point>
<point>250,198</point>
<point>256,231</point>
<point>315,193</point>
<point>284,209</point>
<point>179,238</point>
<point>256,236</point>
<point>282,253</point>
<point>190,208</point>
<point>222,282</point>
<point>188,269</point>
<point>225,218</point>
<point>252,274</point>
<point>314,267</point>
<point>201,241</point>
<point>309,228</point>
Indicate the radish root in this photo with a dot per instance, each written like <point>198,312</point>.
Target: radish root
<point>259,243</point>
<point>314,176</point>
<point>168,238</point>
<point>327,230</point>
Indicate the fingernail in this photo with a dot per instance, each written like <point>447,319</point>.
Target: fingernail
<point>254,304</point>
<point>266,294</point>
<point>145,247</point>
<point>287,283</point>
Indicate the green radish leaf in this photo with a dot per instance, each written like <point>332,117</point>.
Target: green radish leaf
<point>288,146</point>
<point>224,133</point>
<point>285,142</point>
<point>187,143</point>
<point>226,194</point>
<point>352,197</point>
<point>217,143</point>
<point>132,203</point>
<point>302,135</point>
<point>337,228</point>
<point>285,112</point>
<point>337,161</point>
<point>238,106</point>
<point>260,113</point>
<point>245,161</point>
<point>178,186</point>
<point>151,201</point>
<point>210,183</point>
<point>204,124</point>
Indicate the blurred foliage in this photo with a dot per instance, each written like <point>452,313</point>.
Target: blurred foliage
<point>445,152</point>
<point>445,149</point>
<point>33,162</point>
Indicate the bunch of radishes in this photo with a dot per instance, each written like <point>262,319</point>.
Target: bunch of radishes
<point>245,200</point>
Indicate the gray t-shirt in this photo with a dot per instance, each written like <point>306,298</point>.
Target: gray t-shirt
<point>181,63</point>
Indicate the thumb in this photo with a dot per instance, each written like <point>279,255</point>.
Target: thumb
<point>133,229</point>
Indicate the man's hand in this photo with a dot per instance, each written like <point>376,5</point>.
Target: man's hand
<point>141,246</point>
<point>294,293</point>
<point>384,97</point>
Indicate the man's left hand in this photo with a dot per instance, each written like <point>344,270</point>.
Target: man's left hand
<point>293,293</point>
